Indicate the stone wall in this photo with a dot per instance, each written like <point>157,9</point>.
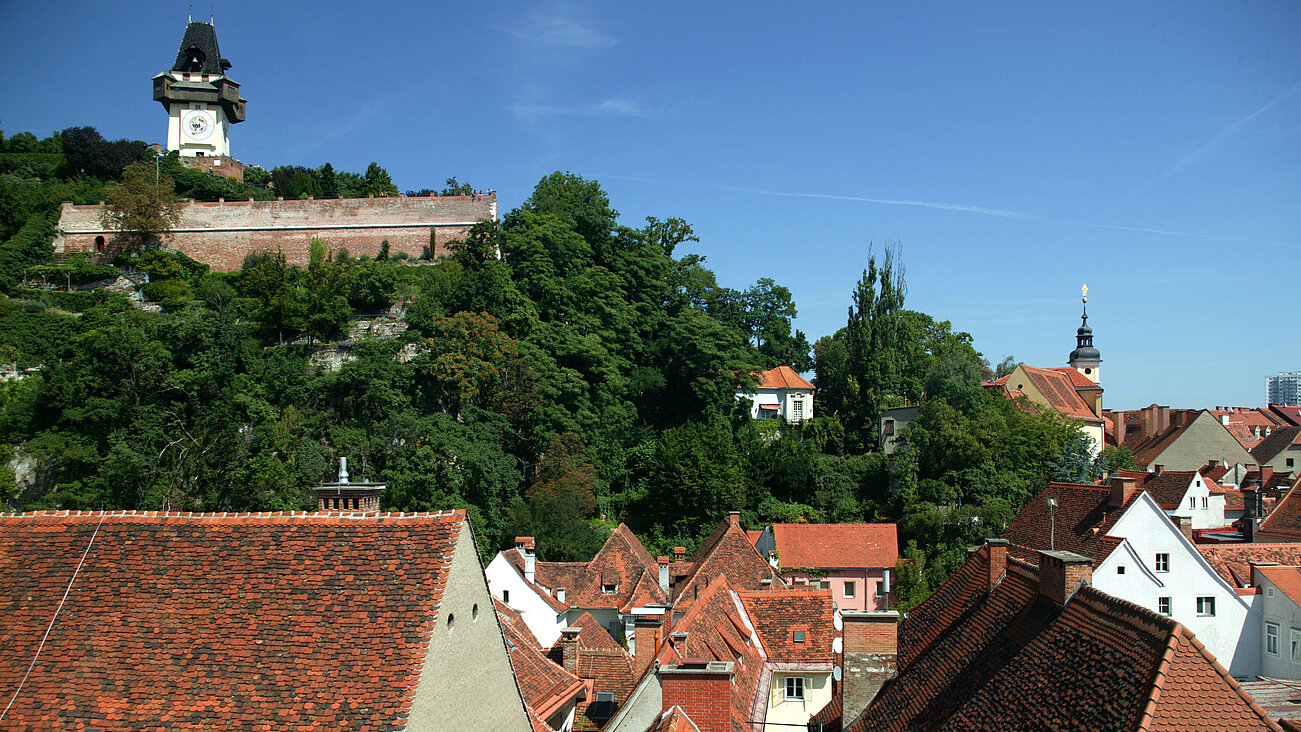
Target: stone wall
<point>216,164</point>
<point>221,234</point>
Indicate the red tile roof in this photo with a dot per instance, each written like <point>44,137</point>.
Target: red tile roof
<point>1007,659</point>
<point>836,546</point>
<point>545,686</point>
<point>777,615</point>
<point>673,720</point>
<point>592,635</point>
<point>1059,390</point>
<point>1233,561</point>
<point>726,552</point>
<point>1278,441</point>
<point>621,562</point>
<point>783,377</point>
<point>1286,414</point>
<point>1285,519</point>
<point>1078,380</point>
<point>1287,579</point>
<point>1079,524</point>
<point>1168,487</point>
<point>219,621</point>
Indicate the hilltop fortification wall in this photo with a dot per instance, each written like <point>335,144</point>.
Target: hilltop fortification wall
<point>221,234</point>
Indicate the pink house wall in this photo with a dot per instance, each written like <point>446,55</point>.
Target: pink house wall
<point>865,582</point>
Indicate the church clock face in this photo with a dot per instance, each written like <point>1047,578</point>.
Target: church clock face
<point>197,124</point>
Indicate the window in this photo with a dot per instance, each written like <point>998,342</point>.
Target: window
<point>1120,569</point>
<point>1203,501</point>
<point>1270,591</point>
<point>1289,463</point>
<point>603,708</point>
<point>505,596</point>
<point>1163,562</point>
<point>1192,503</point>
<point>850,589</point>
<point>797,410</point>
<point>1206,606</point>
<point>889,428</point>
<point>609,589</point>
<point>1163,605</point>
<point>797,636</point>
<point>1271,638</point>
<point>1296,645</point>
<point>795,687</point>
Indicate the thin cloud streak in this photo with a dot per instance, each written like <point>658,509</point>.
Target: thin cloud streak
<point>606,108</point>
<point>964,208</point>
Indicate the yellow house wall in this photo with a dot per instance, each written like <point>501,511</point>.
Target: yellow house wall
<point>783,713</point>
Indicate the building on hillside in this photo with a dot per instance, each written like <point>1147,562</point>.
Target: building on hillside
<point>855,561</point>
<point>1283,388</point>
<point>780,394</point>
<point>1141,555</point>
<point>1280,451</point>
<point>892,423</point>
<point>202,102</point>
<point>221,234</point>
<point>1010,644</point>
<point>132,620</point>
<point>620,583</point>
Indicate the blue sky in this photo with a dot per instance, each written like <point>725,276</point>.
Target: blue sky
<point>1014,150</point>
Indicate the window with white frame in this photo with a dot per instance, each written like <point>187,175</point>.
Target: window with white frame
<point>1192,502</point>
<point>1296,646</point>
<point>795,688</point>
<point>850,589</point>
<point>1203,501</point>
<point>1162,562</point>
<point>1163,605</point>
<point>797,410</point>
<point>1206,606</point>
<point>1271,638</point>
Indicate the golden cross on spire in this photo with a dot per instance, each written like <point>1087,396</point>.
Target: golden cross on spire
<point>1085,291</point>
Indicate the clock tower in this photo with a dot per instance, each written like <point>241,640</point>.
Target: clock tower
<point>201,101</point>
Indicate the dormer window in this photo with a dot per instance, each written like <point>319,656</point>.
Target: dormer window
<point>609,588</point>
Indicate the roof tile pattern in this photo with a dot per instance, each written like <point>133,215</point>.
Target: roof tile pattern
<point>1071,526</point>
<point>1233,561</point>
<point>776,614</point>
<point>219,621</point>
<point>1285,519</point>
<point>1287,579</point>
<point>622,563</point>
<point>783,377</point>
<point>1278,441</point>
<point>1013,660</point>
<point>1059,390</point>
<point>836,546</point>
<point>544,685</point>
<point>726,552</point>
<point>673,720</point>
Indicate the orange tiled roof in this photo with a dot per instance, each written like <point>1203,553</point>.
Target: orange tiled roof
<point>1008,659</point>
<point>673,719</point>
<point>776,615</point>
<point>1287,579</point>
<point>1078,380</point>
<point>1168,487</point>
<point>1079,524</point>
<point>836,546</point>
<point>545,686</point>
<point>1285,519</point>
<point>1233,561</point>
<point>622,563</point>
<point>234,621</point>
<point>1059,390</point>
<point>726,552</point>
<point>783,377</point>
<point>1278,441</point>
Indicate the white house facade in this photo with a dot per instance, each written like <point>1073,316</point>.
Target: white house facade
<point>781,393</point>
<point>543,614</point>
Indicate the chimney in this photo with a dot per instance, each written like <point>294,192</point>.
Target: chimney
<point>1266,474</point>
<point>997,560</point>
<point>703,689</point>
<point>1158,468</point>
<point>569,649</point>
<point>663,563</point>
<point>346,495</point>
<point>1185,526</point>
<point>679,554</point>
<point>1122,487</point>
<point>871,646</point>
<point>734,518</point>
<point>646,634</point>
<point>526,546</point>
<point>1212,464</point>
<point>1062,573</point>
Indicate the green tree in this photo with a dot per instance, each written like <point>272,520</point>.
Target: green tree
<point>378,182</point>
<point>142,207</point>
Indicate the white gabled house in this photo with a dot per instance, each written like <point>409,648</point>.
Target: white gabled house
<point>511,576</point>
<point>781,393</point>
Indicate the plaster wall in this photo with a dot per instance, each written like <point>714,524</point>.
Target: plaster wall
<point>1279,609</point>
<point>1147,532</point>
<point>784,714</point>
<point>1205,509</point>
<point>1204,439</point>
<point>542,620</point>
<point>785,398</point>
<point>641,708</point>
<point>221,234</point>
<point>467,682</point>
<point>866,582</point>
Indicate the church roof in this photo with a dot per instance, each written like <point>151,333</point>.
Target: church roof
<point>200,37</point>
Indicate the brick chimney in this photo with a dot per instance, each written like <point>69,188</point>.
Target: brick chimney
<point>1061,574</point>
<point>734,518</point>
<point>997,560</point>
<point>346,494</point>
<point>663,563</point>
<point>679,554</point>
<point>1122,488</point>
<point>646,636</point>
<point>1212,464</point>
<point>871,644</point>
<point>1158,468</point>
<point>1185,526</point>
<point>569,649</point>
<point>703,689</point>
<point>526,547</point>
<point>1266,474</point>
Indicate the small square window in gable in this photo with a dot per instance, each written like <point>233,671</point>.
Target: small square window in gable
<point>797,635</point>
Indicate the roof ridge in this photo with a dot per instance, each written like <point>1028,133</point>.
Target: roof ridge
<point>213,515</point>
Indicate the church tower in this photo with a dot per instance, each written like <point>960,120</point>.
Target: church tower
<point>201,101</point>
<point>1085,358</point>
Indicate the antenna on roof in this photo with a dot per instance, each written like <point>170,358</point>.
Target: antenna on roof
<point>1052,523</point>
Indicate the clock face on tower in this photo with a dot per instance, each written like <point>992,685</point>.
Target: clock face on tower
<point>197,124</point>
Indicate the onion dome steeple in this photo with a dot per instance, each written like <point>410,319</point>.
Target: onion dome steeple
<point>1085,358</point>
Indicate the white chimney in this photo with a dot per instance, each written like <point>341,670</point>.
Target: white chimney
<point>560,594</point>
<point>343,470</point>
<point>664,573</point>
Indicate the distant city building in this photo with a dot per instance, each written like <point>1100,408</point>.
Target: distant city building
<point>1283,388</point>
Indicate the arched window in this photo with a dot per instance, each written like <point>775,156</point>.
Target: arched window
<point>99,244</point>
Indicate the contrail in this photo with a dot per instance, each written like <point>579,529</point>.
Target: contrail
<point>962,207</point>
<point>1197,154</point>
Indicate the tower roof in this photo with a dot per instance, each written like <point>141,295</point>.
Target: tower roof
<point>1084,350</point>
<point>198,52</point>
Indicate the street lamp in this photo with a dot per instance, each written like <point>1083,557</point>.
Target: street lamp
<point>157,150</point>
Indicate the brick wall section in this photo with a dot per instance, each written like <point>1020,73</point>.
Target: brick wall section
<point>1062,573</point>
<point>221,234</point>
<point>997,561</point>
<point>871,643</point>
<point>217,165</point>
<point>706,696</point>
